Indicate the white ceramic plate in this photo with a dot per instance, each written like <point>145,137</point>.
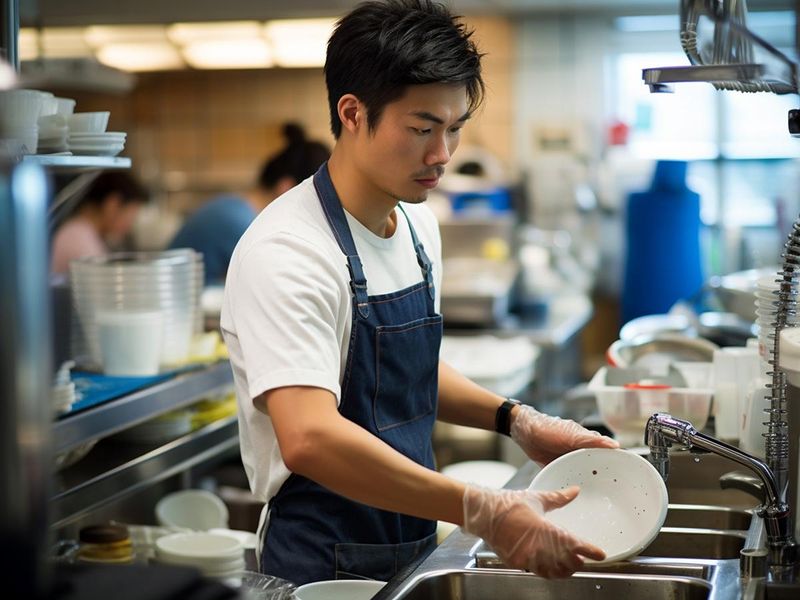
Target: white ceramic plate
<point>622,503</point>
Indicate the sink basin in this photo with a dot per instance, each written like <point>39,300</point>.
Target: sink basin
<point>487,585</point>
<point>674,542</point>
<point>707,517</point>
<point>694,479</point>
<point>656,566</point>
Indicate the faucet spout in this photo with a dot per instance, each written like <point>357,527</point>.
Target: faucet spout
<point>663,430</point>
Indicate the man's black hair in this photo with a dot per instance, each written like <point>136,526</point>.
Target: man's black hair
<point>380,48</point>
<point>299,160</point>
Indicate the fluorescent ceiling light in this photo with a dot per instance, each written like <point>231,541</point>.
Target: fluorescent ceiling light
<point>229,54</point>
<point>186,33</point>
<point>64,42</point>
<point>147,56</point>
<point>28,43</point>
<point>100,35</point>
<point>299,42</point>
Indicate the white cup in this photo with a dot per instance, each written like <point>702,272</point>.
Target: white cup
<point>130,342</point>
<point>64,106</point>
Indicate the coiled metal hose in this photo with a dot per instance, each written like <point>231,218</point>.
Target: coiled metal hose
<point>785,304</point>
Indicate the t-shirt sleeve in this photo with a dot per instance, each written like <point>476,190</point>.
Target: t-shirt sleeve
<point>284,300</point>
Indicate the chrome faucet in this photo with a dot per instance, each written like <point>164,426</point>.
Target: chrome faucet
<point>663,430</point>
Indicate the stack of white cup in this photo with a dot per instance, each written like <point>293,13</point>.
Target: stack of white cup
<point>19,115</point>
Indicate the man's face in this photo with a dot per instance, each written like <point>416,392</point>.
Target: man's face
<point>405,154</point>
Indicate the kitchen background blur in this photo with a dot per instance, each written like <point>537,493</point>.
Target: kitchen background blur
<point>533,209</point>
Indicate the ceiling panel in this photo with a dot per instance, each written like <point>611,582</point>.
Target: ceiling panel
<point>81,12</point>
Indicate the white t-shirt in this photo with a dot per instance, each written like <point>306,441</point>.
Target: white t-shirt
<point>286,314</point>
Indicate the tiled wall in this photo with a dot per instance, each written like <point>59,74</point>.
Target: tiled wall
<point>195,133</point>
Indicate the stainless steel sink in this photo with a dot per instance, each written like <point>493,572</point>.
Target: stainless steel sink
<point>707,517</point>
<point>673,542</point>
<point>694,479</point>
<point>490,585</point>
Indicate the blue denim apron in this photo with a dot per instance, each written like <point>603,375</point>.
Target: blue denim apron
<point>390,388</point>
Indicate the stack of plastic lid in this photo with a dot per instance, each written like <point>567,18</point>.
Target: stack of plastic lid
<point>217,556</point>
<point>169,282</point>
<point>64,394</point>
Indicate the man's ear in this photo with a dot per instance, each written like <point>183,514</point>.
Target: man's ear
<point>352,113</point>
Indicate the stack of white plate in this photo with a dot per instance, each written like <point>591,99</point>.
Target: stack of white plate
<point>107,143</point>
<point>170,282</point>
<point>215,555</point>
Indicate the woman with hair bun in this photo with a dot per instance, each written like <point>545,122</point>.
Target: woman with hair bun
<point>215,228</point>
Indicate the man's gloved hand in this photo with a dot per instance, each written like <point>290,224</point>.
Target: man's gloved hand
<point>512,522</point>
<point>545,438</point>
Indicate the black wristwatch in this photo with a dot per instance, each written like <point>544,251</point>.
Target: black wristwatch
<point>502,420</point>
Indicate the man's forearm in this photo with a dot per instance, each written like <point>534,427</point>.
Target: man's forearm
<point>355,464</point>
<point>464,402</point>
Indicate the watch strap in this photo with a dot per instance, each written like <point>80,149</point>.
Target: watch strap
<point>502,419</point>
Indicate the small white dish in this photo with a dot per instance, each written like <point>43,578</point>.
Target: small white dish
<point>622,503</point>
<point>339,589</point>
<point>247,539</point>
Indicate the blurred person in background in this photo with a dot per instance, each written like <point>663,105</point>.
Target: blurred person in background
<point>103,217</point>
<point>215,228</point>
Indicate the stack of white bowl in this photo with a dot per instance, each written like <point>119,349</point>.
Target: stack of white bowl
<point>217,556</point>
<point>134,283</point>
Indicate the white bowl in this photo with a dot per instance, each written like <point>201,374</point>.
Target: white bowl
<point>195,509</point>
<point>88,122</point>
<point>340,589</point>
<point>622,503</point>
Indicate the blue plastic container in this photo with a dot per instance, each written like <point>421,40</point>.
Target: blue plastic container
<point>662,258</point>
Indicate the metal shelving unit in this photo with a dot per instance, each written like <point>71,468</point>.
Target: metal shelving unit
<point>115,470</point>
<point>127,411</point>
<point>77,164</point>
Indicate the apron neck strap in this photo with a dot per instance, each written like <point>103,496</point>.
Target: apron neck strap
<point>334,214</point>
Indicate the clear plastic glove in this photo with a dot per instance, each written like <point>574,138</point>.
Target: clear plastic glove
<point>544,438</point>
<point>512,522</point>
